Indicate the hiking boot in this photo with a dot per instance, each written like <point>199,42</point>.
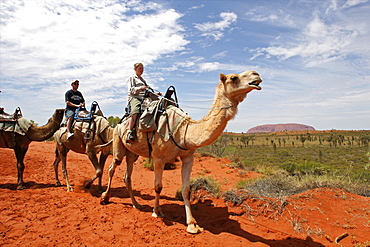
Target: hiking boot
<point>130,137</point>
<point>70,135</point>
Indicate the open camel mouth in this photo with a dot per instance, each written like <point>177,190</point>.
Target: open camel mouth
<point>255,84</point>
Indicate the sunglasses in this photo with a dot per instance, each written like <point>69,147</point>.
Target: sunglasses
<point>75,83</point>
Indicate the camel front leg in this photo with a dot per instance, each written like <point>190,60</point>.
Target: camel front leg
<point>98,170</point>
<point>112,168</point>
<point>187,164</point>
<point>158,173</point>
<point>130,159</point>
<point>102,160</point>
<point>19,154</point>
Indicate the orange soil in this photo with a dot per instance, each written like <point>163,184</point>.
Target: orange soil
<point>45,215</point>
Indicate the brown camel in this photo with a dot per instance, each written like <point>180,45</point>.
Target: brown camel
<point>189,136</point>
<point>20,142</point>
<point>100,141</point>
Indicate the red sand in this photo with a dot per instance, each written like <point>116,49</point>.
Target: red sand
<point>45,215</point>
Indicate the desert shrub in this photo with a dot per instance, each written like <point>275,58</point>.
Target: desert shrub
<point>279,185</point>
<point>306,168</point>
<point>290,167</point>
<point>208,184</point>
<point>148,164</point>
<point>234,196</point>
<point>272,186</point>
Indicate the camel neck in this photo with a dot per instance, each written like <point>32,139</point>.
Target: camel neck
<point>210,127</point>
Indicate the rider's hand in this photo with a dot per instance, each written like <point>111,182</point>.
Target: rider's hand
<point>143,88</point>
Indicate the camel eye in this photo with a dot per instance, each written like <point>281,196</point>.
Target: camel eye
<point>234,79</point>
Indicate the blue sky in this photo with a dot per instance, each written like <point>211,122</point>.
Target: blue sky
<point>313,56</point>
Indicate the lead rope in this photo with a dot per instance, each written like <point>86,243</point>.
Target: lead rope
<point>170,134</point>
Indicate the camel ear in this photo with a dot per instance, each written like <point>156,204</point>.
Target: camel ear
<point>223,78</point>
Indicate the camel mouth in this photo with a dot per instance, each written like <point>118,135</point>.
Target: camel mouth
<point>255,84</point>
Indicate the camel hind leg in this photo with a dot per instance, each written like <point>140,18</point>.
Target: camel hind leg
<point>158,173</point>
<point>130,159</point>
<point>62,151</point>
<point>19,154</point>
<point>55,165</point>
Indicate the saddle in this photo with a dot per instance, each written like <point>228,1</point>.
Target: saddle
<point>5,117</point>
<point>82,115</point>
<point>152,109</point>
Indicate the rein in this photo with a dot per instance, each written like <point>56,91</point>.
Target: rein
<point>215,108</point>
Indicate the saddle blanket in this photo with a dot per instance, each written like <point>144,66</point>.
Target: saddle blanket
<point>168,122</point>
<point>99,125</point>
<point>20,126</point>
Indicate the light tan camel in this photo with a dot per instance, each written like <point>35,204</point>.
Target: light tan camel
<point>99,142</point>
<point>20,143</point>
<point>191,135</point>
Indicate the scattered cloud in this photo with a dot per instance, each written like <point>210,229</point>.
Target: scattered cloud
<point>318,43</point>
<point>215,29</point>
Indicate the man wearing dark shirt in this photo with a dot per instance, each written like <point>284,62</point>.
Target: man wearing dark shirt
<point>74,99</point>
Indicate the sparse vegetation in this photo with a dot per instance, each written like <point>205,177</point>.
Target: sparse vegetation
<point>208,184</point>
<point>336,159</point>
<point>148,164</point>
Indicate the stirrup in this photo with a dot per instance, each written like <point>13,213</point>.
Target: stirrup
<point>130,137</point>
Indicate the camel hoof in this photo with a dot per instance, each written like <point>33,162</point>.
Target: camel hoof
<point>104,200</point>
<point>58,184</point>
<point>70,189</point>
<point>21,187</point>
<point>158,215</point>
<point>194,229</point>
<point>87,184</point>
<point>137,206</point>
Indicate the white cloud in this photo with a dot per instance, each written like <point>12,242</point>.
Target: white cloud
<point>270,15</point>
<point>319,43</point>
<point>214,29</point>
<point>48,43</point>
<point>351,3</point>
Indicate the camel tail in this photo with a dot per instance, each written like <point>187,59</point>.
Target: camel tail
<point>104,147</point>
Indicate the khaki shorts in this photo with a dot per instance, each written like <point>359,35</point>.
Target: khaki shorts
<point>135,106</point>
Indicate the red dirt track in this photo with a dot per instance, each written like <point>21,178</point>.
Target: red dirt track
<point>45,215</point>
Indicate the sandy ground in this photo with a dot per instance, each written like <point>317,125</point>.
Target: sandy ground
<point>45,215</point>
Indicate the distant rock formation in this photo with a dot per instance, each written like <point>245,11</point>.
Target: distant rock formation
<point>267,128</point>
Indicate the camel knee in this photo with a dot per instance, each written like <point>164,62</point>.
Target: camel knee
<point>127,179</point>
<point>186,195</point>
<point>158,189</point>
<point>99,173</point>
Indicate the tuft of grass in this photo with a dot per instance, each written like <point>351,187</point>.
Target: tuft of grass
<point>208,184</point>
<point>148,164</point>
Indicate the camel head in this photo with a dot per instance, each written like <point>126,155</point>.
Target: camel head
<point>236,86</point>
<point>58,115</point>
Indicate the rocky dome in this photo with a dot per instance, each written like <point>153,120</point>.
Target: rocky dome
<point>279,128</point>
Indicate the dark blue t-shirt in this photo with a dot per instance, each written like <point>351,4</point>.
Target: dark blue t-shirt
<point>75,98</point>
